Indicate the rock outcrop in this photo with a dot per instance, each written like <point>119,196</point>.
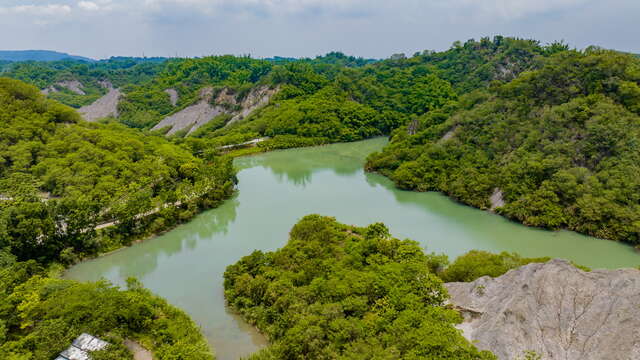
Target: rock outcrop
<point>496,199</point>
<point>555,310</point>
<point>257,98</point>
<point>74,86</point>
<point>193,116</point>
<point>207,108</point>
<point>173,96</point>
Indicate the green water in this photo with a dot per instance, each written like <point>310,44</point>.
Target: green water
<point>185,265</point>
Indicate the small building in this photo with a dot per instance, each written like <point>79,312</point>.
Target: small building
<point>81,347</point>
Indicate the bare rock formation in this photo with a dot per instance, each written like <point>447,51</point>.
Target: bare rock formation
<point>51,89</point>
<point>173,96</point>
<point>496,199</point>
<point>103,107</point>
<point>74,86</point>
<point>106,84</point>
<point>192,116</point>
<point>207,108</point>
<point>554,309</point>
<point>257,98</point>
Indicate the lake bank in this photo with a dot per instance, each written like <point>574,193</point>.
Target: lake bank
<point>275,190</point>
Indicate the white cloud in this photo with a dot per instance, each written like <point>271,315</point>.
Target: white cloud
<point>514,9</point>
<point>88,5</point>
<point>38,10</point>
<point>273,7</point>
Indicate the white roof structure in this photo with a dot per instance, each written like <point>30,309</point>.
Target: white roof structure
<point>81,347</point>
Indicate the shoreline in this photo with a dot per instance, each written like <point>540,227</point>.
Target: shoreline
<point>634,247</point>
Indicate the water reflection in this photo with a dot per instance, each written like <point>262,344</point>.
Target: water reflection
<point>342,159</point>
<point>147,253</point>
<point>186,265</point>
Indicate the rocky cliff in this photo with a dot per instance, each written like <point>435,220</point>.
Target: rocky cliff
<point>554,309</point>
<point>210,106</point>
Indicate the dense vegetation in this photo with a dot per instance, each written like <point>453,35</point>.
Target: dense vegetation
<point>316,100</point>
<point>94,77</point>
<point>476,263</point>
<point>61,180</point>
<point>475,64</point>
<point>559,144</point>
<point>342,292</point>
<point>61,177</point>
<point>326,99</point>
<point>40,316</point>
<point>551,132</point>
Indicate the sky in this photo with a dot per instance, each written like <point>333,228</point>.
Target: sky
<point>306,28</point>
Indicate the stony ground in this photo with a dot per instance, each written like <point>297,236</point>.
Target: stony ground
<point>554,309</point>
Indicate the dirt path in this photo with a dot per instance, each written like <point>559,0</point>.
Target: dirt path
<point>139,353</point>
<point>247,144</point>
<point>139,216</point>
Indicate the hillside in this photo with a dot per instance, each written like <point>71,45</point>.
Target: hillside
<point>60,178</point>
<point>555,148</point>
<point>439,100</point>
<point>39,55</point>
<point>166,94</point>
<point>78,83</point>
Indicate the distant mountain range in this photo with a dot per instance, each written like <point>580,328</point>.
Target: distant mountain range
<point>38,55</point>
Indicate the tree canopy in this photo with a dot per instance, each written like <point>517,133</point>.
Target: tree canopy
<point>343,292</point>
<point>61,177</point>
<point>558,144</point>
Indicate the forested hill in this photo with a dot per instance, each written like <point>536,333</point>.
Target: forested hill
<point>38,55</point>
<point>488,108</point>
<point>558,147</point>
<point>474,64</point>
<point>70,189</point>
<point>325,99</point>
<point>319,103</point>
<point>60,178</point>
<point>91,79</point>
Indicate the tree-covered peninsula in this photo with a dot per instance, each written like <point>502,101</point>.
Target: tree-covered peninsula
<point>343,292</point>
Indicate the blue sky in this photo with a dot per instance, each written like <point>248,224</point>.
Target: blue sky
<point>263,28</point>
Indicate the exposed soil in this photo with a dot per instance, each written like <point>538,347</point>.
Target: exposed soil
<point>103,107</point>
<point>496,199</point>
<point>173,96</point>
<point>139,353</point>
<point>192,116</point>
